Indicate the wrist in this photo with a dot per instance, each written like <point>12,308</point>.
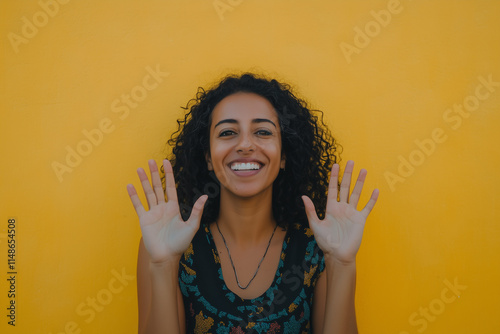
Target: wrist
<point>333,261</point>
<point>169,263</point>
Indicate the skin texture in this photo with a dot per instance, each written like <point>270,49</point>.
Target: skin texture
<point>245,126</point>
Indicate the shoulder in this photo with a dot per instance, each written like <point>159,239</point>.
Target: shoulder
<point>193,260</point>
<point>305,252</point>
<point>198,244</point>
<point>201,253</point>
<point>303,235</point>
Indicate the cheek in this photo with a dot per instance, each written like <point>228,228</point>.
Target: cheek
<point>273,150</point>
<point>218,153</point>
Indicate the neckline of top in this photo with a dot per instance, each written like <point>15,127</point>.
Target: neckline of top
<point>276,275</point>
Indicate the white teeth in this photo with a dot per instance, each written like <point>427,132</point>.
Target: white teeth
<point>245,166</point>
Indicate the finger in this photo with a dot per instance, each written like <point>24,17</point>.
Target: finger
<point>136,202</point>
<point>371,203</point>
<point>310,210</point>
<point>333,188</point>
<point>197,211</point>
<point>170,181</point>
<point>346,182</point>
<point>356,192</point>
<point>155,179</point>
<point>146,186</point>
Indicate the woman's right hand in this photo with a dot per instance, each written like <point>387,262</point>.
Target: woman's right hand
<point>165,234</point>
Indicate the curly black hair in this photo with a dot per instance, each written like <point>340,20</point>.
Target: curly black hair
<point>307,143</point>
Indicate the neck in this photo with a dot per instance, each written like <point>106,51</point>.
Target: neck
<point>248,220</point>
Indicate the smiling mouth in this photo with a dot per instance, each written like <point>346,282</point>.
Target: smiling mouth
<point>245,166</point>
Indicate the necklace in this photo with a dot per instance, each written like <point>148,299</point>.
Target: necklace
<point>231,260</point>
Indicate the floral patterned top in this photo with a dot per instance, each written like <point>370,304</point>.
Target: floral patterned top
<point>210,307</point>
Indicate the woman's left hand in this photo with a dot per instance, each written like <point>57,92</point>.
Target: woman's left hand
<point>339,234</point>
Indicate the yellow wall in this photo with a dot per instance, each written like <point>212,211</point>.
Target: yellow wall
<point>406,82</point>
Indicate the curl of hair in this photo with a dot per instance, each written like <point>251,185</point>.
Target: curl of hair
<point>310,151</point>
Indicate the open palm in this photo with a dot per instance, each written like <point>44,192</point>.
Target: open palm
<point>339,234</point>
<point>166,235</point>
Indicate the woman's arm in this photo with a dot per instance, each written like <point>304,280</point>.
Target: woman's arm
<point>339,236</point>
<point>163,314</point>
<point>144,293</point>
<point>340,314</point>
<point>165,237</point>
<point>319,303</point>
<point>333,304</point>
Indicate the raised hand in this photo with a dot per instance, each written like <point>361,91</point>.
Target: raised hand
<point>165,234</point>
<point>339,234</point>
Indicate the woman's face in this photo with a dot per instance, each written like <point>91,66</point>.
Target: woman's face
<point>245,144</point>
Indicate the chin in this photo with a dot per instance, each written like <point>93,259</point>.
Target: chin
<point>247,192</point>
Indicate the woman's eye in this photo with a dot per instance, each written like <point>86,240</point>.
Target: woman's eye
<point>264,133</point>
<point>226,133</point>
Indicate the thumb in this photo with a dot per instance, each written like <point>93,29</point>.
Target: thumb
<point>197,211</point>
<point>310,209</point>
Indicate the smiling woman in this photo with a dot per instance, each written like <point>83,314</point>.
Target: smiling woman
<point>245,142</point>
<point>269,157</point>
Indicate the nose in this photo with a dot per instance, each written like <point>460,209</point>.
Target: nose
<point>245,143</point>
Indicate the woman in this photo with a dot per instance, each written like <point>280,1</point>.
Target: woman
<point>250,159</point>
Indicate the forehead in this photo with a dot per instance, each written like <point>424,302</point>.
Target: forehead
<point>243,107</point>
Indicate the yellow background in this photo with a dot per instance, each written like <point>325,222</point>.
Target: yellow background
<point>74,234</point>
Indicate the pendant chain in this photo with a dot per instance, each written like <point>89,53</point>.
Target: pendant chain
<point>231,260</point>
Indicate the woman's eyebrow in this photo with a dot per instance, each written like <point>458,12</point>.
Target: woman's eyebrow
<point>255,120</point>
